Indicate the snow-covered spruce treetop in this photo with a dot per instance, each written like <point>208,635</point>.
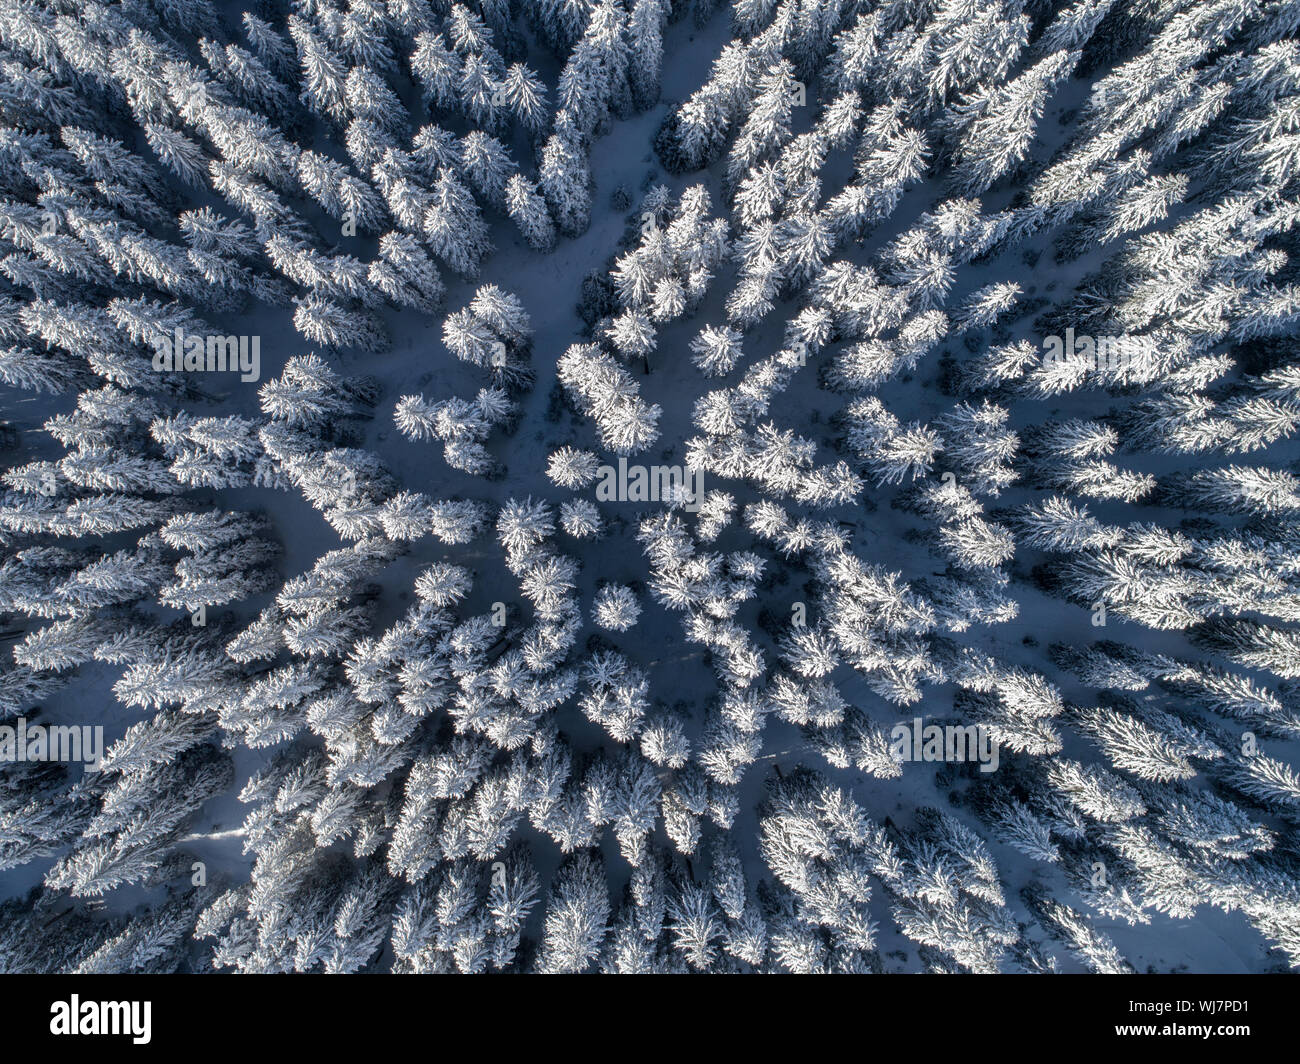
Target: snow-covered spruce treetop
<point>658,669</point>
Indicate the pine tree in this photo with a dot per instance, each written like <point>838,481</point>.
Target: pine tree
<point>615,607</point>
<point>645,52</point>
<point>528,210</point>
<point>577,911</point>
<point>565,179</point>
<point>454,226</point>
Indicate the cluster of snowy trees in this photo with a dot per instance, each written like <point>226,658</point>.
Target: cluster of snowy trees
<point>493,332</point>
<point>869,190</point>
<point>599,386</point>
<point>667,274</point>
<point>971,109</point>
<point>233,109</point>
